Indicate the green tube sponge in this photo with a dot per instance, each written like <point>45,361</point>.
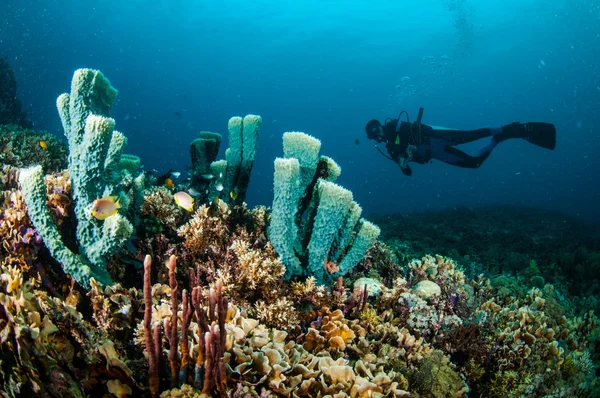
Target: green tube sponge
<point>243,141</point>
<point>367,234</point>
<point>334,203</point>
<point>250,130</point>
<point>97,168</point>
<point>34,193</point>
<point>282,230</point>
<point>233,154</point>
<point>129,163</point>
<point>345,234</point>
<point>306,149</point>
<point>115,231</point>
<point>218,170</point>
<point>115,157</point>
<point>203,151</point>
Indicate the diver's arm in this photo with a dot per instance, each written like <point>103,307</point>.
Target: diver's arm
<point>403,164</point>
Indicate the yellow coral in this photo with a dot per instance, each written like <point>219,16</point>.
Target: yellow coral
<point>254,268</point>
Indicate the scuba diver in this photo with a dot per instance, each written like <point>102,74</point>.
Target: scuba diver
<point>417,142</point>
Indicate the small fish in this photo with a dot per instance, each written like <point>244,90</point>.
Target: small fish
<point>219,187</point>
<point>105,207</point>
<point>356,141</point>
<point>194,192</point>
<point>172,174</point>
<point>177,113</point>
<point>207,176</point>
<point>213,209</point>
<point>169,183</point>
<point>43,145</point>
<point>234,193</point>
<point>184,200</point>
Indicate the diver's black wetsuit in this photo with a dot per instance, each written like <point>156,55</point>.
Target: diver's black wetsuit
<point>417,142</point>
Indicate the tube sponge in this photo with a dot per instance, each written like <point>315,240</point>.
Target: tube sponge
<point>334,203</point>
<point>345,234</point>
<point>333,169</point>
<point>97,168</point>
<point>243,140</point>
<point>367,234</point>
<point>283,230</point>
<point>34,193</point>
<point>233,155</point>
<point>306,149</point>
<point>203,151</point>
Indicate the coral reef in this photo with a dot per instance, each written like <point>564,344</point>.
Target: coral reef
<point>20,147</point>
<point>300,300</point>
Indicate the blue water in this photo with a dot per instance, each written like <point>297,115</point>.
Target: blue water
<point>326,68</point>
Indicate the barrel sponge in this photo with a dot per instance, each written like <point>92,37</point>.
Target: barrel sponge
<point>34,193</point>
<point>345,234</point>
<point>282,230</point>
<point>306,149</point>
<point>367,234</point>
<point>333,169</point>
<point>334,203</point>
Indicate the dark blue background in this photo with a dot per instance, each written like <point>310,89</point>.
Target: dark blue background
<point>326,68</point>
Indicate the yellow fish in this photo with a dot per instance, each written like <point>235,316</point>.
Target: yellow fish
<point>43,145</point>
<point>105,207</point>
<point>184,200</point>
<point>234,193</point>
<point>169,183</point>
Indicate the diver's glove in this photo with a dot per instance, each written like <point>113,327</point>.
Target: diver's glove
<point>406,170</point>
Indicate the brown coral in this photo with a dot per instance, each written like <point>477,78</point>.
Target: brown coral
<point>159,204</point>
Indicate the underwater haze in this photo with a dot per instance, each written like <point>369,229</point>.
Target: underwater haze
<point>326,68</point>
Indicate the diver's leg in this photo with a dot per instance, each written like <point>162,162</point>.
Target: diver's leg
<point>456,157</point>
<point>458,137</point>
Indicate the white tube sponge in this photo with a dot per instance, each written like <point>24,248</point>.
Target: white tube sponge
<point>334,203</point>
<point>345,234</point>
<point>333,169</point>
<point>366,236</point>
<point>282,230</point>
<point>34,193</point>
<point>306,149</point>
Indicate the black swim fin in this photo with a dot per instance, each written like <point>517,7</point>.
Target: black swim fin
<point>540,134</point>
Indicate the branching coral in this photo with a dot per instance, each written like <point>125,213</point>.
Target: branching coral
<point>159,204</point>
